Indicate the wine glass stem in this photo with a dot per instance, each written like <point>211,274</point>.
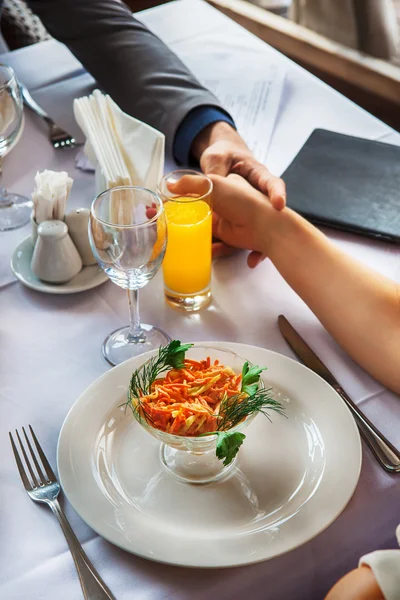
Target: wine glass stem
<point>136,334</point>
<point>4,200</point>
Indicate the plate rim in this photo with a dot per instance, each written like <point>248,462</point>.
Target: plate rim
<point>190,564</point>
<point>55,289</point>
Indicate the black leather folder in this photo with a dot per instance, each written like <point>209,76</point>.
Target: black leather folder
<point>348,183</point>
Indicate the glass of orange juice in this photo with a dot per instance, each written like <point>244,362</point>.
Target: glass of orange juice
<point>187,264</point>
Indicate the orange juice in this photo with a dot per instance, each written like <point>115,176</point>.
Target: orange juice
<point>187,262</point>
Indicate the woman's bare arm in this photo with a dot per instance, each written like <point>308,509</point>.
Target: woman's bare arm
<point>360,308</point>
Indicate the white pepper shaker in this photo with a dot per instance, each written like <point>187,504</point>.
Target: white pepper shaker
<point>55,258</point>
<point>77,222</point>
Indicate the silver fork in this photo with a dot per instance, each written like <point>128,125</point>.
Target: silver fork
<point>45,488</point>
<point>58,137</point>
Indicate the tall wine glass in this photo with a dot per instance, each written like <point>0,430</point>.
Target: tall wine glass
<point>15,210</point>
<point>128,236</point>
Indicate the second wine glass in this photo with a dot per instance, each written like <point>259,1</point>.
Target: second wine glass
<point>15,210</point>
<point>128,236</point>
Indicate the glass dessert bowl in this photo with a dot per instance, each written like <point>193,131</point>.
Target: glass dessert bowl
<point>194,458</point>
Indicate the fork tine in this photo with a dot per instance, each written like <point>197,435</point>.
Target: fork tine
<point>27,461</point>
<point>45,462</point>
<point>42,478</point>
<point>63,144</point>
<point>20,466</point>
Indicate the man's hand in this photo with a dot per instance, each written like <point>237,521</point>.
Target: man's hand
<point>221,151</point>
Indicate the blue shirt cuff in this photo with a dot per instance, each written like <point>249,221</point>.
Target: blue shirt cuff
<point>194,122</point>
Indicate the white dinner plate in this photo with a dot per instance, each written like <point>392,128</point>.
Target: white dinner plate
<point>87,278</point>
<point>293,476</point>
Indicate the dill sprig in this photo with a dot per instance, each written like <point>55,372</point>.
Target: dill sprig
<point>172,355</point>
<point>235,409</point>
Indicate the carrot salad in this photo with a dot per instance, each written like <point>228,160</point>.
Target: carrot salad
<point>187,401</point>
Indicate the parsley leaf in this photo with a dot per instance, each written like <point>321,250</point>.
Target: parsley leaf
<point>175,354</point>
<point>251,378</point>
<point>228,445</point>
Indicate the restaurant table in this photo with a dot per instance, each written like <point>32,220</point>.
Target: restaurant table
<point>50,352</point>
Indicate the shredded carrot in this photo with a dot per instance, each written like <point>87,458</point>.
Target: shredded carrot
<point>186,401</point>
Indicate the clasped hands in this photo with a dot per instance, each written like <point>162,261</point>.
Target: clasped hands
<point>244,193</point>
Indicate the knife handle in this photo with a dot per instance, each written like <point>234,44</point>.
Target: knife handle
<point>383,450</point>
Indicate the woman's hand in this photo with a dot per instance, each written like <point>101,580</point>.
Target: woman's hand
<point>240,211</point>
<point>241,216</point>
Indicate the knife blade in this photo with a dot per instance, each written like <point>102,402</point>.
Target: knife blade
<point>386,454</point>
<point>304,352</point>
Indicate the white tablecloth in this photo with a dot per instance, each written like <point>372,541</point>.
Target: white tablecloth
<point>50,352</point>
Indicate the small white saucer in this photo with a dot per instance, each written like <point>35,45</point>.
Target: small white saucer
<point>86,279</point>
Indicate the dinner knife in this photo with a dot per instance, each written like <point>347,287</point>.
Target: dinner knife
<point>384,451</point>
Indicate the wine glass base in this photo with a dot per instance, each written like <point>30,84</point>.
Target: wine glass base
<point>15,211</point>
<point>192,467</point>
<point>188,302</point>
<point>118,346</point>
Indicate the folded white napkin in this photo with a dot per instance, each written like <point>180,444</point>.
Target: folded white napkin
<point>124,150</point>
<point>50,195</point>
<point>83,163</point>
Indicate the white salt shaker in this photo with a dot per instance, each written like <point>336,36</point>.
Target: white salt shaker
<point>77,222</point>
<point>55,258</point>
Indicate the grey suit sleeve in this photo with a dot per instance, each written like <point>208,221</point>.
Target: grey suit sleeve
<point>131,64</point>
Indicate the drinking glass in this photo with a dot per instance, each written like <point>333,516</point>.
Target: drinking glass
<point>15,210</point>
<point>128,236</point>
<point>187,265</point>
